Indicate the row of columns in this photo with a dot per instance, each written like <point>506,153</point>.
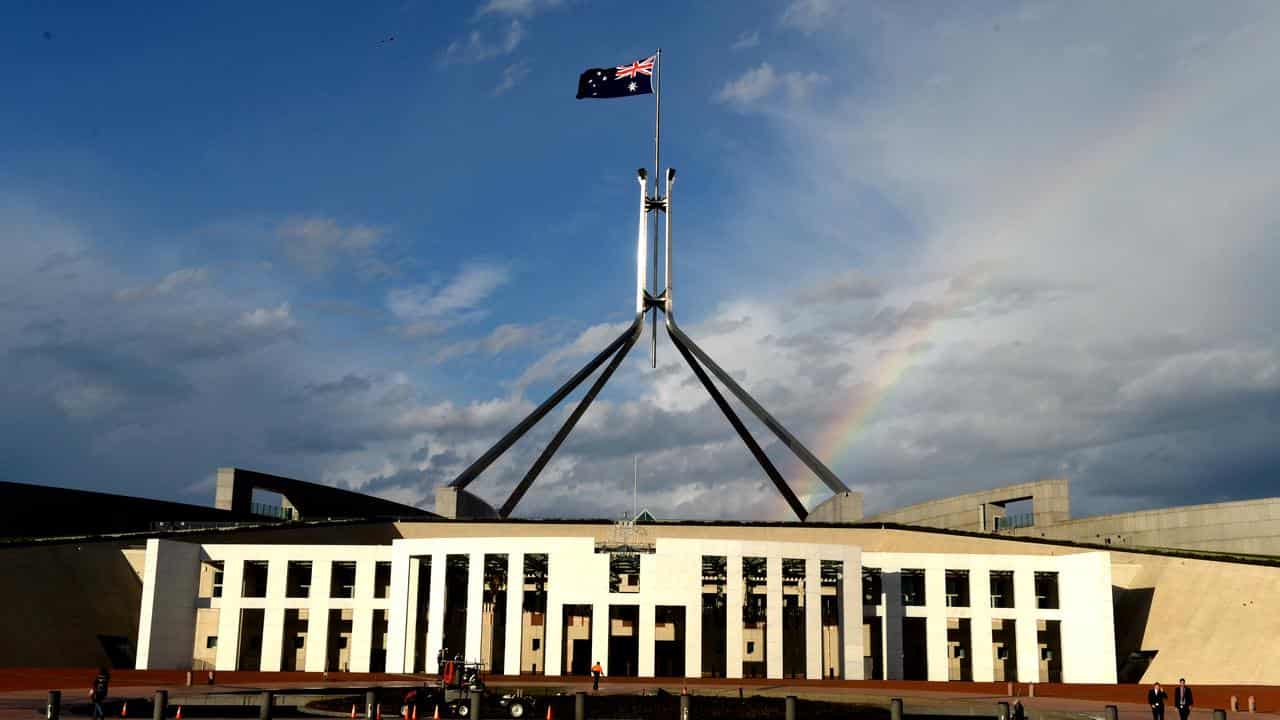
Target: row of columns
<point>980,614</point>
<point>690,599</point>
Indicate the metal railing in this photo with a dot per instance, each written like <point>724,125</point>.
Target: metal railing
<point>1009,522</point>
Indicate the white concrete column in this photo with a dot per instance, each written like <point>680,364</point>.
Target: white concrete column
<point>515,614</point>
<point>733,599</point>
<point>475,606</point>
<point>693,631</point>
<point>317,638</point>
<point>400,642</point>
<point>273,617</point>
<point>362,618</point>
<point>600,635</point>
<point>229,615</point>
<point>318,616</point>
<point>851,618</point>
<point>167,618</point>
<point>361,635</point>
<point>1088,628</point>
<point>813,618</point>
<point>435,609</point>
<point>272,638</point>
<point>553,631</point>
<point>773,632</point>
<point>1024,605</point>
<point>891,632</point>
<point>982,663</point>
<point>935,597</point>
<point>647,635</point>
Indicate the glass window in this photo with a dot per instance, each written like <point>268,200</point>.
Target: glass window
<point>957,588</point>
<point>298,579</point>
<point>913,587</point>
<point>1001,588</point>
<point>342,583</point>
<point>1047,590</point>
<point>871,586</point>
<point>381,579</point>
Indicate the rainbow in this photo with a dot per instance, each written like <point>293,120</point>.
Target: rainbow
<point>1059,197</point>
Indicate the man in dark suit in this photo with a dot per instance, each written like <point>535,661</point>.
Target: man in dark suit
<point>1182,699</point>
<point>1155,698</point>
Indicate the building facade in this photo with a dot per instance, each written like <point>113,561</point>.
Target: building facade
<point>666,601</point>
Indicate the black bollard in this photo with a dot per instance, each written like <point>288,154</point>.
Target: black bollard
<point>895,709</point>
<point>476,697</point>
<point>1219,714</point>
<point>54,709</point>
<point>580,706</point>
<point>161,705</point>
<point>264,705</point>
<point>1002,710</point>
<point>369,700</point>
<point>791,707</point>
<point>1113,713</point>
<point>684,707</point>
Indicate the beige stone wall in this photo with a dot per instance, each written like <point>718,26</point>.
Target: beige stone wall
<point>1247,526</point>
<point>1210,622</point>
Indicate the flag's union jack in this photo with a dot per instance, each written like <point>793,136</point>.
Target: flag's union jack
<point>640,67</point>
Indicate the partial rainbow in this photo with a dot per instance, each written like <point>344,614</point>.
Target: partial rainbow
<point>1057,195</point>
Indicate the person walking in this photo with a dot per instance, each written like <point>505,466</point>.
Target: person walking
<point>1182,699</point>
<point>596,672</point>
<point>1019,712</point>
<point>1155,698</point>
<point>98,693</point>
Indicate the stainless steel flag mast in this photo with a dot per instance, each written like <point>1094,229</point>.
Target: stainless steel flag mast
<point>600,83</point>
<point>657,169</point>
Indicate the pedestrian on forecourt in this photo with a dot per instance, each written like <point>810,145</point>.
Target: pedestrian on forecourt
<point>596,672</point>
<point>1182,699</point>
<point>98,693</point>
<point>1155,698</point>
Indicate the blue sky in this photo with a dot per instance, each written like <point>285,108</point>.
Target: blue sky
<point>954,249</point>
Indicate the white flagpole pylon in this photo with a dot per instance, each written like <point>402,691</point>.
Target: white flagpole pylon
<point>657,180</point>
<point>642,233</point>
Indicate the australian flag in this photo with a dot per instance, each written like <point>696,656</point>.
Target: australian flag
<point>621,81</point>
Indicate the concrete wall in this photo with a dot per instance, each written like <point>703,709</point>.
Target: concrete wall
<point>1247,526</point>
<point>974,512</point>
<point>1210,622</point>
<point>59,600</point>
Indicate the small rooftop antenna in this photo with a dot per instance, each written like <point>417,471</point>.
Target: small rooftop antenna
<point>635,483</point>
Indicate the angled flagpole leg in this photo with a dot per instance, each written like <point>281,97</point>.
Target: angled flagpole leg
<point>808,458</point>
<point>569,423</point>
<point>796,506</point>
<point>532,418</point>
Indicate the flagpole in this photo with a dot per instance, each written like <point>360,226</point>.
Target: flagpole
<point>657,174</point>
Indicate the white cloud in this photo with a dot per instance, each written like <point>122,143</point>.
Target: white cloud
<point>428,309</point>
<point>503,338</point>
<point>511,76</point>
<point>269,320</point>
<point>523,8</point>
<point>810,15</point>
<point>174,281</point>
<point>746,40</point>
<point>589,342</point>
<point>478,46</point>
<point>760,85</point>
<point>316,243</point>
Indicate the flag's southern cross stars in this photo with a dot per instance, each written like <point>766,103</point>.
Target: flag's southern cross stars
<point>634,78</point>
